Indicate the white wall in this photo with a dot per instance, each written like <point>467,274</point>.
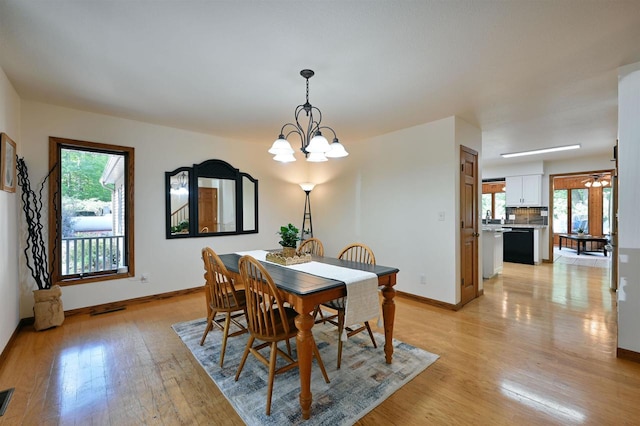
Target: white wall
<point>172,264</point>
<point>388,194</point>
<point>9,205</point>
<point>628,207</point>
<point>515,168</point>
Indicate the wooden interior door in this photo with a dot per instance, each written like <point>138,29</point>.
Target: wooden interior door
<point>207,210</point>
<point>469,224</point>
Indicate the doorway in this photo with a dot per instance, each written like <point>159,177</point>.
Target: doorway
<point>581,205</point>
<point>207,209</point>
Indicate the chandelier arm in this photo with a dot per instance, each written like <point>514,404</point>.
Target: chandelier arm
<point>296,131</point>
<point>319,116</point>
<point>286,125</point>
<point>296,116</point>
<point>310,132</point>
<point>327,127</point>
<point>304,135</point>
<point>313,125</point>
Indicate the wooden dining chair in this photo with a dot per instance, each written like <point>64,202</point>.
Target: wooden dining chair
<point>358,253</point>
<point>268,321</point>
<point>222,298</point>
<point>312,246</point>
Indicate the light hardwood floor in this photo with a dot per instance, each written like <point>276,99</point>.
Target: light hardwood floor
<point>537,348</point>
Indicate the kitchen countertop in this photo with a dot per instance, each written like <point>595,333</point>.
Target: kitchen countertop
<point>497,227</point>
<point>494,228</point>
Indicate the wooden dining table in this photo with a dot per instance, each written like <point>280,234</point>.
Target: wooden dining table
<point>305,291</point>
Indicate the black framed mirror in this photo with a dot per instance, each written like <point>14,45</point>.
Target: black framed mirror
<point>209,199</point>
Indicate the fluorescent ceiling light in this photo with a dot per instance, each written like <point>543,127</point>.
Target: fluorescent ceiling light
<point>540,151</point>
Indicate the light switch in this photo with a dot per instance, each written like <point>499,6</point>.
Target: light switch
<point>441,216</point>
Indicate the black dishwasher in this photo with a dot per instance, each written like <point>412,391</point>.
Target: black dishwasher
<point>518,245</point>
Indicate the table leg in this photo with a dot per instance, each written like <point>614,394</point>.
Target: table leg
<point>560,243</point>
<point>388,313</point>
<point>304,346</point>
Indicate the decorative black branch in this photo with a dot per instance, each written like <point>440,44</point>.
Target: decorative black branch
<point>32,207</point>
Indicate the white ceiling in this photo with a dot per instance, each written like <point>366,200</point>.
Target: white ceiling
<point>530,74</point>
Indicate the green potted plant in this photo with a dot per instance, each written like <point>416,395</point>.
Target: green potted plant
<point>580,230</point>
<point>289,239</point>
<point>181,227</point>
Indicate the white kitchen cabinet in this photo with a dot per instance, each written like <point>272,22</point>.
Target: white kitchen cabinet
<point>537,249</point>
<point>524,191</point>
<point>492,261</point>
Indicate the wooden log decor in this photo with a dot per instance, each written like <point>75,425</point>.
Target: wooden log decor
<point>47,309</point>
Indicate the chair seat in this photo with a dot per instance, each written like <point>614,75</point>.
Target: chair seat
<point>242,298</point>
<point>280,333</point>
<point>339,303</point>
<point>233,306</point>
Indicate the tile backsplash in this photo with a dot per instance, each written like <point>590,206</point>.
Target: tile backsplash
<point>527,215</point>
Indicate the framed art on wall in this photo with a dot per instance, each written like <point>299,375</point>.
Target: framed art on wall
<point>7,164</point>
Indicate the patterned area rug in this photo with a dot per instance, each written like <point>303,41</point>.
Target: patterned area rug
<point>363,381</point>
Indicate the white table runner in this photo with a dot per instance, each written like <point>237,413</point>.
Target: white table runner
<point>260,255</point>
<point>361,303</point>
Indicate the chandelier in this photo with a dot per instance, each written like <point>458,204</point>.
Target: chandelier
<point>179,184</point>
<point>596,181</point>
<point>315,147</point>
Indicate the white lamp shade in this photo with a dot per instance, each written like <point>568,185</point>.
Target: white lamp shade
<point>281,146</point>
<point>284,157</point>
<point>316,157</point>
<point>337,151</point>
<point>307,186</point>
<point>318,144</point>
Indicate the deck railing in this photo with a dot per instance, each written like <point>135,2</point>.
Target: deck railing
<point>180,215</point>
<point>82,255</point>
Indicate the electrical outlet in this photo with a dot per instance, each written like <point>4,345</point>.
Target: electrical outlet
<point>145,277</point>
<point>423,279</point>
